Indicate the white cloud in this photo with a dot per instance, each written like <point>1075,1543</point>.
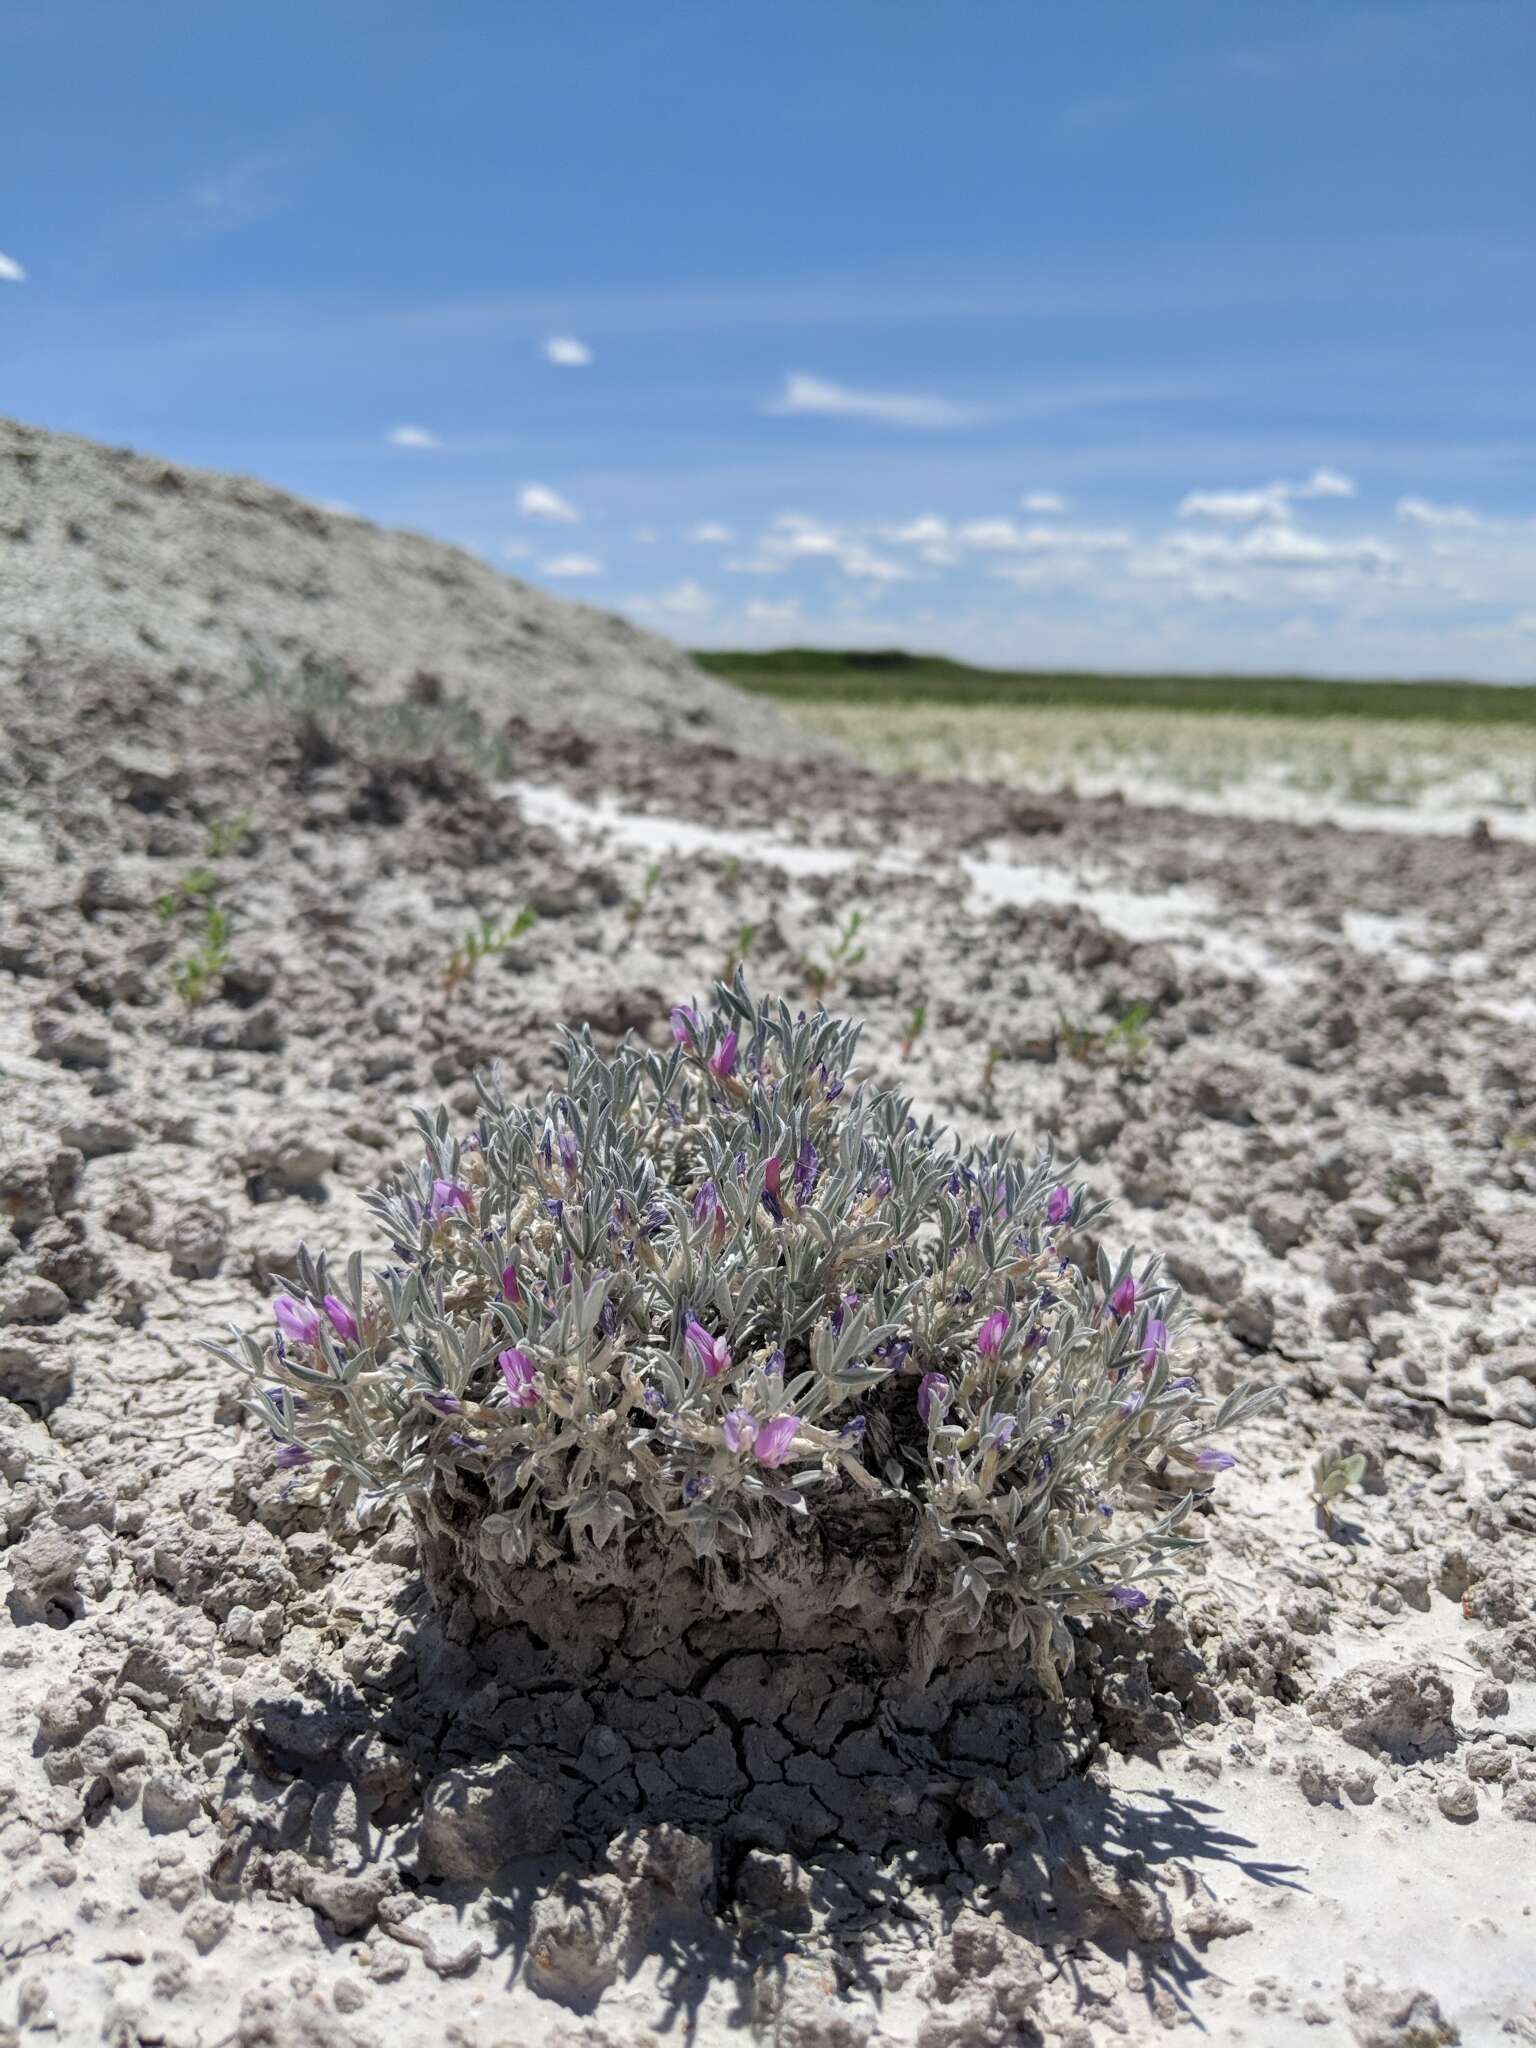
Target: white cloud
<point>1269,503</point>
<point>516,550</point>
<point>1420,512</point>
<point>928,531</point>
<point>1325,483</point>
<point>572,565</point>
<point>711,532</point>
<point>814,395</point>
<point>1042,501</point>
<point>763,611</point>
<point>1000,536</point>
<point>538,501</point>
<point>11,271</point>
<point>686,601</point>
<point>793,537</point>
<point>1525,622</point>
<point>412,437</point>
<point>567,351</point>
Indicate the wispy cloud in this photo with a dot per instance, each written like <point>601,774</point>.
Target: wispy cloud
<point>1421,512</point>
<point>412,437</point>
<point>685,600</point>
<point>567,351</point>
<point>538,501</point>
<point>250,189</point>
<point>814,396</point>
<point>1270,502</point>
<point>1043,501</point>
<point>711,532</point>
<point>572,565</point>
<point>771,614</point>
<point>11,271</point>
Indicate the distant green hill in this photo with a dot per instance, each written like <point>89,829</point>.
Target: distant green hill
<point>891,676</point>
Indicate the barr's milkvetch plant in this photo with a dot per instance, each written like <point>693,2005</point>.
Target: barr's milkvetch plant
<point>727,1316</point>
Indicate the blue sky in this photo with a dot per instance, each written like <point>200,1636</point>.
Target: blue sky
<point>1189,334</point>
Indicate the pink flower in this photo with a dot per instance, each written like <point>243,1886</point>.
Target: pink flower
<point>298,1320</point>
<point>1123,1301</point>
<point>993,1334</point>
<point>932,1392</point>
<point>1155,1342</point>
<point>1059,1207</point>
<point>685,1023</point>
<point>713,1353</point>
<point>510,1288</point>
<point>342,1319</point>
<point>722,1061</point>
<point>519,1372</point>
<point>448,1195</point>
<point>776,1439</point>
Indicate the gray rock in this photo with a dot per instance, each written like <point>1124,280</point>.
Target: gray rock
<point>1457,1799</point>
<point>32,1299</point>
<point>35,1374</point>
<point>197,1240</point>
<point>1402,1709</point>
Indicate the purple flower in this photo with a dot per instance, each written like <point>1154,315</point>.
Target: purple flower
<point>1155,1343</point>
<point>1002,1431</point>
<point>722,1061</point>
<point>1128,1598</point>
<point>696,1487</point>
<point>1123,1301</point>
<point>807,1168</point>
<point>775,1439</point>
<point>445,1404</point>
<point>448,1195</point>
<point>713,1353</point>
<point>1059,1207</point>
<point>519,1372</point>
<point>569,1155</point>
<point>740,1429</point>
<point>932,1392</point>
<point>853,1432</point>
<point>1214,1461</point>
<point>774,1364</point>
<point>993,1334</point>
<point>298,1320</point>
<point>291,1456</point>
<point>655,1400</point>
<point>342,1319</point>
<point>511,1286</point>
<point>685,1023</point>
<point>706,1203</point>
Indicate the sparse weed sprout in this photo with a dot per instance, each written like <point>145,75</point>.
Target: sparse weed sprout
<point>724,1315</point>
<point>483,942</point>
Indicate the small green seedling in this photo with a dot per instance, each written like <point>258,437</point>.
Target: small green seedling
<point>197,976</point>
<point>187,893</point>
<point>226,835</point>
<point>483,941</point>
<point>843,956</point>
<point>1332,1476</point>
<point>740,953</point>
<point>917,1023</point>
<point>635,908</point>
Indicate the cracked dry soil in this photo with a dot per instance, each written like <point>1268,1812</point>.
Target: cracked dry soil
<point>255,1787</point>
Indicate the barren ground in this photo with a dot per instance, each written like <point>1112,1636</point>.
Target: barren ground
<point>254,1790</point>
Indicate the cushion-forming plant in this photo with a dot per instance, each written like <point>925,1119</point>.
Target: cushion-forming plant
<point>726,1320</point>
